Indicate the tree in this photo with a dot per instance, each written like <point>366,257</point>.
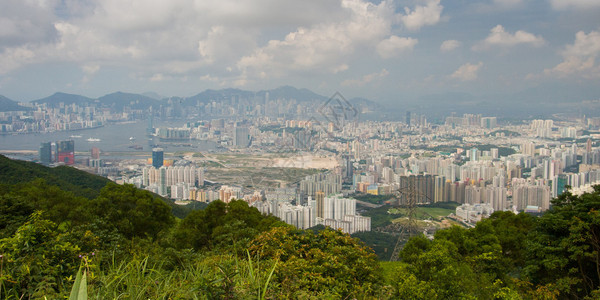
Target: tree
<point>37,259</point>
<point>436,269</point>
<point>564,248</point>
<point>327,263</point>
<point>221,225</point>
<point>131,211</point>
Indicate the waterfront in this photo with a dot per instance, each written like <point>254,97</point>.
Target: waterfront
<point>126,139</point>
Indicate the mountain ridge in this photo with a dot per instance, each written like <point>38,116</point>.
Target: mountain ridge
<point>7,104</point>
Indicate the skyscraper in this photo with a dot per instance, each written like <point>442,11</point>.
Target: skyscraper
<point>65,152</point>
<point>241,137</point>
<point>408,118</point>
<point>46,153</point>
<point>320,199</point>
<point>157,157</point>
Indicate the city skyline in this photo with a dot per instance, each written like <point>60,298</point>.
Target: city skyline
<point>388,51</point>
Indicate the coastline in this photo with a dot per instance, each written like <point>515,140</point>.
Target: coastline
<point>44,132</point>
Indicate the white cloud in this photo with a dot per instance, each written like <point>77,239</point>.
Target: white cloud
<point>394,45</point>
<point>12,58</point>
<point>23,22</point>
<point>422,15</point>
<point>499,37</point>
<point>467,72</point>
<point>366,79</point>
<point>580,57</point>
<point>324,47</point>
<point>449,45</point>
<point>148,36</point>
<point>225,44</point>
<point>576,4</point>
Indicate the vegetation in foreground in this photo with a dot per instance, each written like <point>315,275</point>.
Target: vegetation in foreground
<point>128,244</point>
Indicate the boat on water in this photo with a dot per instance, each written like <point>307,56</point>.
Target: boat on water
<point>132,138</point>
<point>75,136</point>
<point>93,140</point>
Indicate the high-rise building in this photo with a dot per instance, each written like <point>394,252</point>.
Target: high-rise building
<point>150,128</point>
<point>157,157</point>
<point>95,153</point>
<point>241,137</point>
<point>474,154</point>
<point>46,153</point>
<point>349,172</point>
<point>408,118</point>
<point>320,199</point>
<point>489,122</point>
<point>65,152</point>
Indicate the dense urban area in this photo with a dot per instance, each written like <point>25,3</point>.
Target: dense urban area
<point>284,156</point>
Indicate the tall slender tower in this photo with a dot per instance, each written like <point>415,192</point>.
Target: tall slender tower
<point>157,157</point>
<point>320,198</point>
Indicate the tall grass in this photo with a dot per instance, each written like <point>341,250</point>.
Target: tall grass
<point>211,277</point>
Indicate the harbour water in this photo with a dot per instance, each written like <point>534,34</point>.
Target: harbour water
<point>124,138</point>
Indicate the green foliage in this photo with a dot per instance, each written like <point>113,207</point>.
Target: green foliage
<point>131,211</point>
<point>375,199</point>
<point>222,225</point>
<point>324,264</point>
<point>380,216</point>
<point>79,289</point>
<point>66,178</point>
<point>37,259</point>
<point>564,252</point>
<point>382,243</point>
<point>435,269</point>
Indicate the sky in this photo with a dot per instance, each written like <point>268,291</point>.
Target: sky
<point>387,51</point>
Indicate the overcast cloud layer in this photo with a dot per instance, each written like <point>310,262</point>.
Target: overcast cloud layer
<point>384,50</point>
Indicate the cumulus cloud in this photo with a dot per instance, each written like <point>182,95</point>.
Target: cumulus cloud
<point>580,57</point>
<point>395,45</point>
<point>366,79</point>
<point>324,47</point>
<point>430,14</point>
<point>467,72</point>
<point>574,4</point>
<point>223,38</point>
<point>500,37</point>
<point>449,45</point>
<point>23,22</point>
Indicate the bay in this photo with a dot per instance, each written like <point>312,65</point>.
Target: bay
<point>128,139</point>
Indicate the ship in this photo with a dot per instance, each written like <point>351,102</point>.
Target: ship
<point>93,140</point>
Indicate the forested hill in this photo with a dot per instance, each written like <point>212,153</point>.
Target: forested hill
<point>66,178</point>
<point>80,183</point>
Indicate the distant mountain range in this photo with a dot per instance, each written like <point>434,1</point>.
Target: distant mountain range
<point>537,102</point>
<point>118,100</point>
<point>11,105</point>
<point>67,99</point>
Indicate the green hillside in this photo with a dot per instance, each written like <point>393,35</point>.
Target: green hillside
<point>66,178</point>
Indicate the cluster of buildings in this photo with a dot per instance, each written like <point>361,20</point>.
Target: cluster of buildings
<point>469,159</point>
<point>334,211</point>
<point>60,152</point>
